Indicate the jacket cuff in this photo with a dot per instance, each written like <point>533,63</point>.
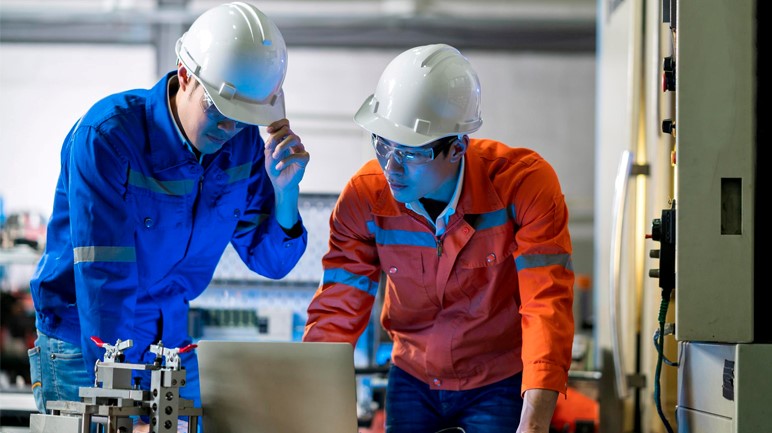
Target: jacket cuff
<point>543,375</point>
<point>295,232</point>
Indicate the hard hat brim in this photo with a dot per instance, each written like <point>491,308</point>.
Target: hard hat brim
<point>375,124</point>
<point>247,112</point>
<point>367,118</point>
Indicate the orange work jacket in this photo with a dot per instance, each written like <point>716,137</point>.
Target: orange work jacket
<point>488,299</point>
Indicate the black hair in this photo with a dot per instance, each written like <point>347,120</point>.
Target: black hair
<point>444,145</point>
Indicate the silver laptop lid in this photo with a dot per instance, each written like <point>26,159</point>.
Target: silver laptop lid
<point>277,387</point>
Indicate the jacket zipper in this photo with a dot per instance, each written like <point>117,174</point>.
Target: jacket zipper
<point>194,208</point>
<point>437,239</point>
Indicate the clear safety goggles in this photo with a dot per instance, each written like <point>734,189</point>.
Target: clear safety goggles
<point>213,113</point>
<point>409,155</point>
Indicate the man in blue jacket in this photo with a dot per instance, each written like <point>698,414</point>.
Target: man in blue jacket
<point>154,184</point>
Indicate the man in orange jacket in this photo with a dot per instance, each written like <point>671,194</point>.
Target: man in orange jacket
<point>472,238</point>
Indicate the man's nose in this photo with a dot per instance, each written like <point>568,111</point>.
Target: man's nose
<point>227,124</point>
<point>393,163</point>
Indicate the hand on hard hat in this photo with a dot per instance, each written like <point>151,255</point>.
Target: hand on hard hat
<point>286,157</point>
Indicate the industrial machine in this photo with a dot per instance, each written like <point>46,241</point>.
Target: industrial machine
<point>710,233</point>
<point>112,407</point>
<point>680,96</point>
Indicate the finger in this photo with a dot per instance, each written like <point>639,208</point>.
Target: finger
<point>283,134</point>
<point>288,145</point>
<point>275,138</point>
<point>300,158</point>
<point>273,150</point>
<point>277,125</point>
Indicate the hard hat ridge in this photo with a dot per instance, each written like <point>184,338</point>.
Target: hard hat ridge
<point>245,10</point>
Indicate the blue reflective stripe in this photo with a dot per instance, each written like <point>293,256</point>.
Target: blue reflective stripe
<point>250,224</point>
<point>168,187</point>
<point>492,219</point>
<point>540,260</point>
<point>240,172</point>
<point>401,237</point>
<point>104,254</point>
<point>342,276</point>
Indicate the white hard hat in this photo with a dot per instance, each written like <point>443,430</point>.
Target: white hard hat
<point>240,57</point>
<point>425,93</point>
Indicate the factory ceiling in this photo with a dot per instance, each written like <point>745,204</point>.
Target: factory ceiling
<point>529,25</point>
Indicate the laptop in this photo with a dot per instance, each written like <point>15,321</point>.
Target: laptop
<point>277,387</point>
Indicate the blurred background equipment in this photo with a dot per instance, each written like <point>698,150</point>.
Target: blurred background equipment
<point>17,329</point>
<point>24,228</point>
<point>17,334</point>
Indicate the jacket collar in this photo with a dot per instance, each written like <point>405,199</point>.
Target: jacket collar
<point>167,149</point>
<point>478,195</point>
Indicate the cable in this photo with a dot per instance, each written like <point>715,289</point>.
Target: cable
<point>668,330</point>
<point>660,339</point>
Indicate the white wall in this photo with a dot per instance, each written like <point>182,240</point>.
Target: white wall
<point>44,89</point>
<point>541,101</point>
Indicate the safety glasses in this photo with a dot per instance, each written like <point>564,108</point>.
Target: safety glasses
<point>410,155</point>
<point>213,113</point>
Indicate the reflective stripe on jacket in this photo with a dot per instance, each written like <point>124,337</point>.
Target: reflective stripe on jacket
<point>138,226</point>
<point>490,298</point>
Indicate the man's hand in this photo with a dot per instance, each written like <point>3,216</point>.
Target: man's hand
<point>538,407</point>
<point>285,156</point>
<point>285,161</point>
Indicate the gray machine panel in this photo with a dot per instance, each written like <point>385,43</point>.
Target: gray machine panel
<point>715,176</point>
<point>724,388</point>
<point>701,422</point>
<point>701,378</point>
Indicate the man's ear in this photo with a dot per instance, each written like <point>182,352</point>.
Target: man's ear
<point>458,148</point>
<point>183,76</point>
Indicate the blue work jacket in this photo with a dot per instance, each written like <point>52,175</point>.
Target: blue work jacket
<point>139,225</point>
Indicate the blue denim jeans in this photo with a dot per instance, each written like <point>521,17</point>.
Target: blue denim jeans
<point>412,407</point>
<point>57,371</point>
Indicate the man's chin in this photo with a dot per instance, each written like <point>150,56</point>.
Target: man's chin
<point>402,196</point>
<point>211,147</point>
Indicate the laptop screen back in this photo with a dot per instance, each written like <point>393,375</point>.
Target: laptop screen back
<point>277,387</point>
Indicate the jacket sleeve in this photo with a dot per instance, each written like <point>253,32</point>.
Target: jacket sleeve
<point>340,309</point>
<point>546,277</point>
<point>102,236</point>
<point>259,239</point>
